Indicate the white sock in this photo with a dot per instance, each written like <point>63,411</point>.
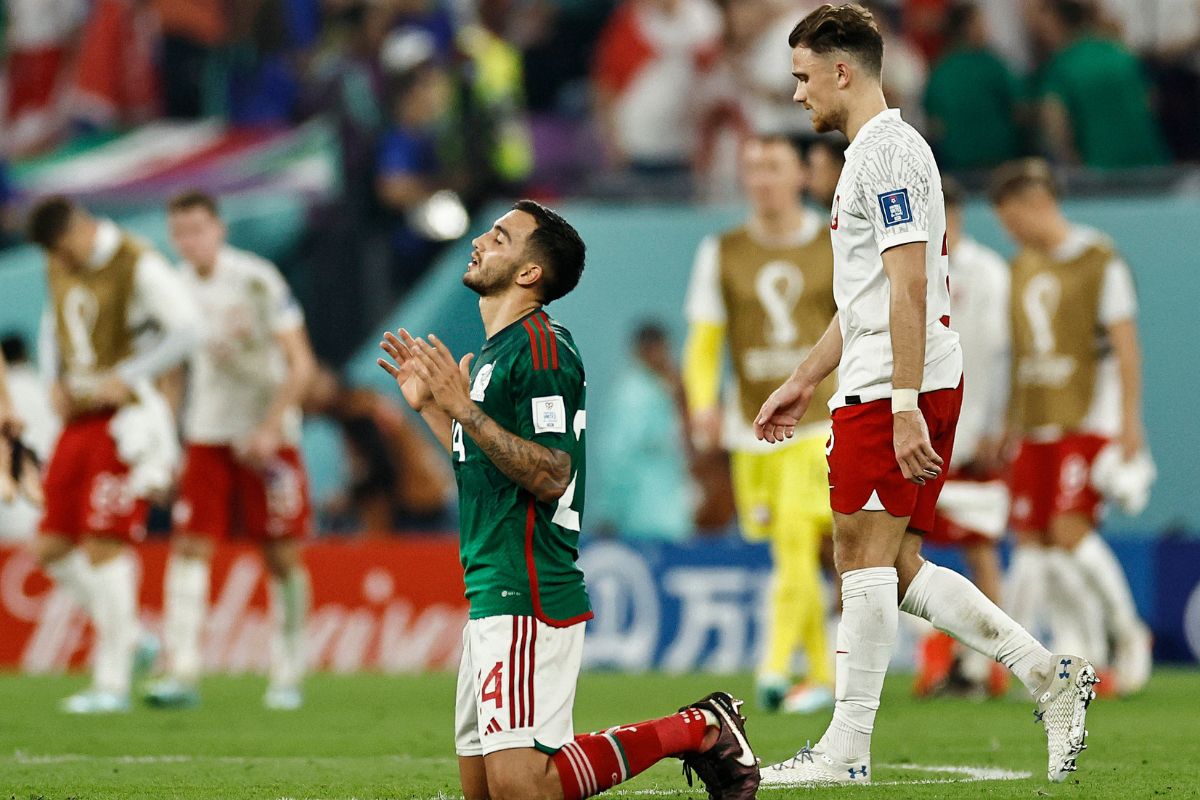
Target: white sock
<point>74,575</point>
<point>956,606</point>
<point>1105,577</point>
<point>289,613</point>
<point>186,587</point>
<point>1025,587</point>
<point>1077,614</point>
<point>865,639</point>
<point>116,623</point>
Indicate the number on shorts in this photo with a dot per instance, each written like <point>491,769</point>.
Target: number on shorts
<point>493,680</point>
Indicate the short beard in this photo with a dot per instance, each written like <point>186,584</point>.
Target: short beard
<point>486,285</point>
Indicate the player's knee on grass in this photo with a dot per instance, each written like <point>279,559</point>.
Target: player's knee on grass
<point>473,777</point>
<point>522,774</point>
<point>50,547</point>
<point>1068,530</point>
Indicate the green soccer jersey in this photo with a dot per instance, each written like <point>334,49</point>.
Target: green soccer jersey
<point>518,554</point>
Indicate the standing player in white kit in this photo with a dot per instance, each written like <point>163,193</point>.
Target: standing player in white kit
<point>894,414</point>
<point>243,474</point>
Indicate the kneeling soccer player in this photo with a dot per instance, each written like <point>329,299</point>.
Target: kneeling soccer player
<point>514,426</point>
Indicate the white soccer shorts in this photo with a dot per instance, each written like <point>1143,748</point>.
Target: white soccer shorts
<point>516,685</point>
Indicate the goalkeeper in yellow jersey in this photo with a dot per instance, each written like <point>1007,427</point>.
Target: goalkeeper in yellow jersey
<point>766,289</point>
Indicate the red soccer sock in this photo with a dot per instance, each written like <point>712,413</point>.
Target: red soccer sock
<point>598,761</point>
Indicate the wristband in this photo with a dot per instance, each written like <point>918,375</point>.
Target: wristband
<point>904,400</point>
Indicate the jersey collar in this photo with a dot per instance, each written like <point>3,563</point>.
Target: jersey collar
<point>498,335</point>
<point>878,119</point>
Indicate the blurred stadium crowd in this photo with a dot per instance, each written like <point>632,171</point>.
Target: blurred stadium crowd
<point>441,105</point>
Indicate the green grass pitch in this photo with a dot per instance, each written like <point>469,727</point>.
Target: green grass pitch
<point>375,736</point>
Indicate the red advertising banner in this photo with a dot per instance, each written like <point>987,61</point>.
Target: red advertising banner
<point>393,606</point>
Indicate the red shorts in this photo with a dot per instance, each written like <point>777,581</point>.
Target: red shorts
<point>863,471</point>
<point>220,496</point>
<point>949,532</point>
<point>1051,478</point>
<point>86,485</point>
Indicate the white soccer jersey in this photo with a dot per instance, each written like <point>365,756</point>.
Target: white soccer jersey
<point>889,194</point>
<point>979,290</point>
<point>236,372</point>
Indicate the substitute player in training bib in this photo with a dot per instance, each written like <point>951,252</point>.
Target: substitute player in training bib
<point>515,426</point>
<point>765,289</point>
<point>108,294</point>
<point>894,413</point>
<point>1076,411</point>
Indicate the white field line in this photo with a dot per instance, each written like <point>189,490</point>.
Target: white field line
<point>21,757</point>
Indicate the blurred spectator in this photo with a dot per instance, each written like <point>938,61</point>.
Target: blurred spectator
<point>971,98</point>
<point>31,401</point>
<point>38,39</point>
<point>419,155</point>
<point>904,70</point>
<point>261,65</point>
<point>191,31</point>
<point>825,157</point>
<point>1166,33</point>
<point>649,60</point>
<point>924,26</point>
<point>496,79</point>
<point>647,494</point>
<point>398,479</point>
<point>116,81</point>
<point>1095,105</point>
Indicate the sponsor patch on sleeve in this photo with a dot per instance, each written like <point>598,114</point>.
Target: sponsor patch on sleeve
<point>895,208</point>
<point>549,414</point>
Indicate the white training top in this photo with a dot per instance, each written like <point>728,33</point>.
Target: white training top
<point>245,302</point>
<point>889,194</point>
<point>980,284</point>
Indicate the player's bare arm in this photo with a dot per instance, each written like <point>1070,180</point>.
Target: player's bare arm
<point>776,420</point>
<point>267,438</point>
<point>905,269</point>
<point>416,393</point>
<point>543,471</point>
<point>1124,338</point>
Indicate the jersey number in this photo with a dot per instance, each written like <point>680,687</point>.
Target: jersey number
<point>1041,299</point>
<point>456,441</point>
<point>80,310</point>
<point>564,515</point>
<point>779,285</point>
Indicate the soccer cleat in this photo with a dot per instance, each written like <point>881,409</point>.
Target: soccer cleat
<point>145,654</point>
<point>808,698</point>
<point>729,769</point>
<point>172,693</point>
<point>811,767</point>
<point>770,693</point>
<point>1132,660</point>
<point>1062,708</point>
<point>283,698</point>
<point>94,701</point>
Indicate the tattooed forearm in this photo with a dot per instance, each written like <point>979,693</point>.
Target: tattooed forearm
<point>543,471</point>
